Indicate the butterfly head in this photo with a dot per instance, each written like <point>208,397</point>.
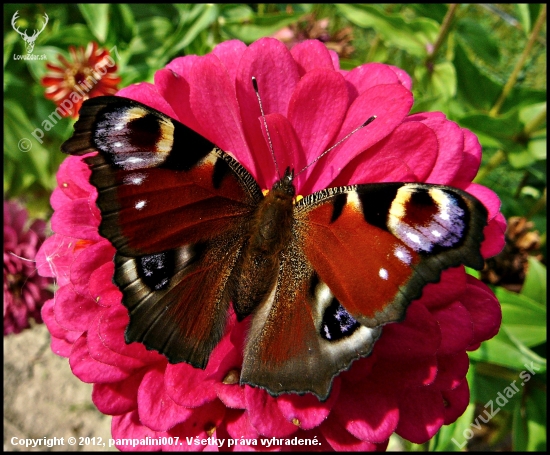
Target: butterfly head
<point>285,184</point>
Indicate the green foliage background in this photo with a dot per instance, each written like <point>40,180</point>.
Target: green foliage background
<point>484,66</point>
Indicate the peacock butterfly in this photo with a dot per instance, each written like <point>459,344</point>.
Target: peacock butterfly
<point>319,276</point>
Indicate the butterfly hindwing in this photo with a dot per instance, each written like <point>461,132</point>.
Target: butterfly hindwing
<point>359,255</point>
<point>173,205</point>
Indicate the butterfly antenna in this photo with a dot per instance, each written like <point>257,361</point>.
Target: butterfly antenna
<point>370,120</point>
<point>255,85</point>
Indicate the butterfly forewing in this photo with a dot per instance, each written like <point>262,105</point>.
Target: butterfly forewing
<point>384,242</point>
<point>175,208</point>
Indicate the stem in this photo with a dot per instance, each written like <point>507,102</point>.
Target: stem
<point>519,65</point>
<point>495,160</point>
<point>443,32</point>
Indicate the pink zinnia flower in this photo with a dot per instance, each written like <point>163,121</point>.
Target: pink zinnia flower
<point>24,290</point>
<point>414,381</point>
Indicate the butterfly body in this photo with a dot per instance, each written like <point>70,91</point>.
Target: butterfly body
<point>318,277</point>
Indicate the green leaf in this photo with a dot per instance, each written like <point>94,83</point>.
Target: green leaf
<point>522,11</point>
<point>475,87</point>
<point>500,132</point>
<point>440,83</point>
<point>122,24</point>
<point>30,158</point>
<point>505,351</point>
<point>413,36</point>
<point>534,286</point>
<point>520,435</point>
<point>450,438</point>
<point>96,16</point>
<point>522,318</point>
<point>208,15</point>
<point>478,40</point>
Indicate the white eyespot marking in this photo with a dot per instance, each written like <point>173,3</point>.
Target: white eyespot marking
<point>383,273</point>
<point>403,255</point>
<point>413,237</point>
<point>134,179</point>
<point>133,160</point>
<point>117,144</point>
<point>436,233</point>
<point>139,205</point>
<point>119,126</point>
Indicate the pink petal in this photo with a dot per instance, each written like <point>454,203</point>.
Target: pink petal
<point>87,261</point>
<point>286,146</point>
<point>340,440</point>
<point>62,340</point>
<point>484,309</point>
<point>73,311</point>
<point>73,178</point>
<point>276,73</point>
<point>422,414</point>
<point>363,77</point>
<point>175,89</point>
<point>199,424</point>
<point>307,409</point>
<point>99,351</point>
<point>494,236</point>
<point>148,94</point>
<point>486,196</point>
<point>189,386</point>
<point>451,146</point>
<point>456,328</point>
<point>456,401</point>
<point>368,411</point>
<point>265,415</point>
<point>77,218</point>
<point>317,109</point>
<point>311,54</point>
<point>403,76</point>
<point>238,425</point>
<point>126,427</point>
<point>101,287</point>
<point>54,258</point>
<point>118,397</point>
<point>407,154</point>
<point>390,103</point>
<point>112,324</point>
<point>230,53</point>
<point>451,287</point>
<point>414,372</point>
<point>452,370</point>
<point>89,370</point>
<point>214,104</point>
<point>418,336</point>
<point>156,409</point>
<point>183,65</point>
<point>471,158</point>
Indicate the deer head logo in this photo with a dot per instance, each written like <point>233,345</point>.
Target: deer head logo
<point>29,40</point>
